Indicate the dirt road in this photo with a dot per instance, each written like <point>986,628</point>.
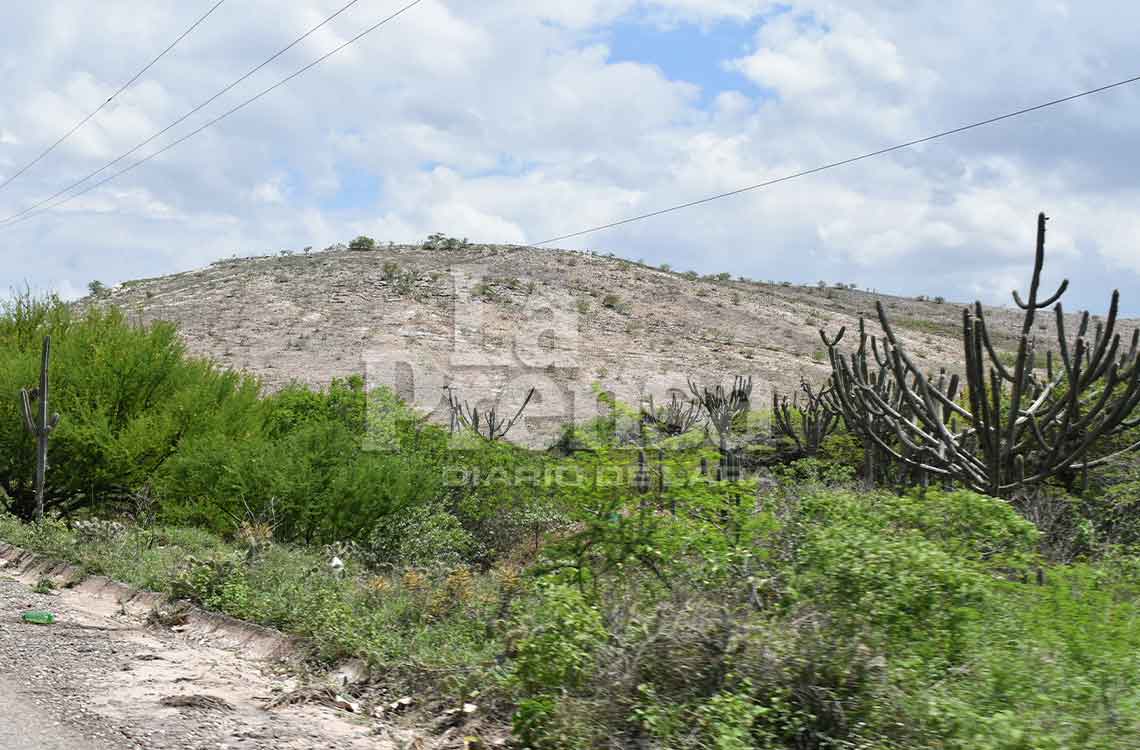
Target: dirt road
<point>26,725</point>
<point>101,678</point>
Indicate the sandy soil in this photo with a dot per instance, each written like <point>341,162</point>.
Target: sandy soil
<point>102,672</point>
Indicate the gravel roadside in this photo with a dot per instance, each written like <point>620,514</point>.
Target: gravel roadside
<point>34,723</point>
<point>98,678</point>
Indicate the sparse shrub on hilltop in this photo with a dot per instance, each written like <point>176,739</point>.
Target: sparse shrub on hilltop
<point>439,241</point>
<point>362,243</point>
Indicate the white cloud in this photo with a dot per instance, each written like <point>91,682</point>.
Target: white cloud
<point>510,122</point>
<point>270,191</point>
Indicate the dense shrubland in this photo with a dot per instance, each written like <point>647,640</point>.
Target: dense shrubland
<point>619,595</point>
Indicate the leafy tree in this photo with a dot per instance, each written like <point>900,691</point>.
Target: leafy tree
<point>362,242</point>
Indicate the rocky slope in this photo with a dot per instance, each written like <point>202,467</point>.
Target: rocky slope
<point>492,321</point>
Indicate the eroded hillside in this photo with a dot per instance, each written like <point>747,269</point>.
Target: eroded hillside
<point>491,321</point>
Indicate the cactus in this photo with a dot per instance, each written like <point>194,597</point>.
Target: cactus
<point>486,425</point>
<point>676,418</point>
<point>817,417</point>
<point>993,445</point>
<point>875,429</point>
<point>722,408</point>
<point>39,424</point>
<point>641,480</point>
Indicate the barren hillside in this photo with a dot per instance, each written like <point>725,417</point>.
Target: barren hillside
<point>493,320</point>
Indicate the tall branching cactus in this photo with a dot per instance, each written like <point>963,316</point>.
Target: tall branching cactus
<point>675,418</point>
<point>1019,426</point>
<point>488,425</point>
<point>873,425</point>
<point>816,417</point>
<point>722,409</point>
<point>39,424</point>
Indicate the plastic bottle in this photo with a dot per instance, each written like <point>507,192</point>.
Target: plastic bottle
<point>39,618</point>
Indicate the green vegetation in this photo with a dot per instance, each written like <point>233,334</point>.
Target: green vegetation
<point>439,241</point>
<point>925,325</point>
<point>602,593</point>
<point>362,243</point>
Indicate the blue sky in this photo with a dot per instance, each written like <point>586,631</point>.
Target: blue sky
<point>515,121</point>
<point>687,51</point>
<point>358,189</point>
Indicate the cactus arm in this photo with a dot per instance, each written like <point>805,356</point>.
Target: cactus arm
<point>26,411</point>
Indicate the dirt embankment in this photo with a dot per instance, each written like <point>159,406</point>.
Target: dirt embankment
<point>102,672</point>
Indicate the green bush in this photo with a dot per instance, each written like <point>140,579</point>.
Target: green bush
<point>420,535</point>
<point>962,523</point>
<point>554,657</point>
<point>362,243</point>
<point>562,633</point>
<point>315,483</point>
<point>1050,667</point>
<point>130,398</point>
<point>901,587</point>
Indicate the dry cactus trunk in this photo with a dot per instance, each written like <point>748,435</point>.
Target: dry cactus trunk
<point>39,424</point>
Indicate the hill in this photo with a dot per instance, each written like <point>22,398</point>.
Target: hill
<point>494,320</point>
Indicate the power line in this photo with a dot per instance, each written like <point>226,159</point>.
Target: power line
<point>31,210</point>
<point>840,163</point>
<point>121,89</point>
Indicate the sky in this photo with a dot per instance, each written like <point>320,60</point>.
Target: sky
<point>512,121</point>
